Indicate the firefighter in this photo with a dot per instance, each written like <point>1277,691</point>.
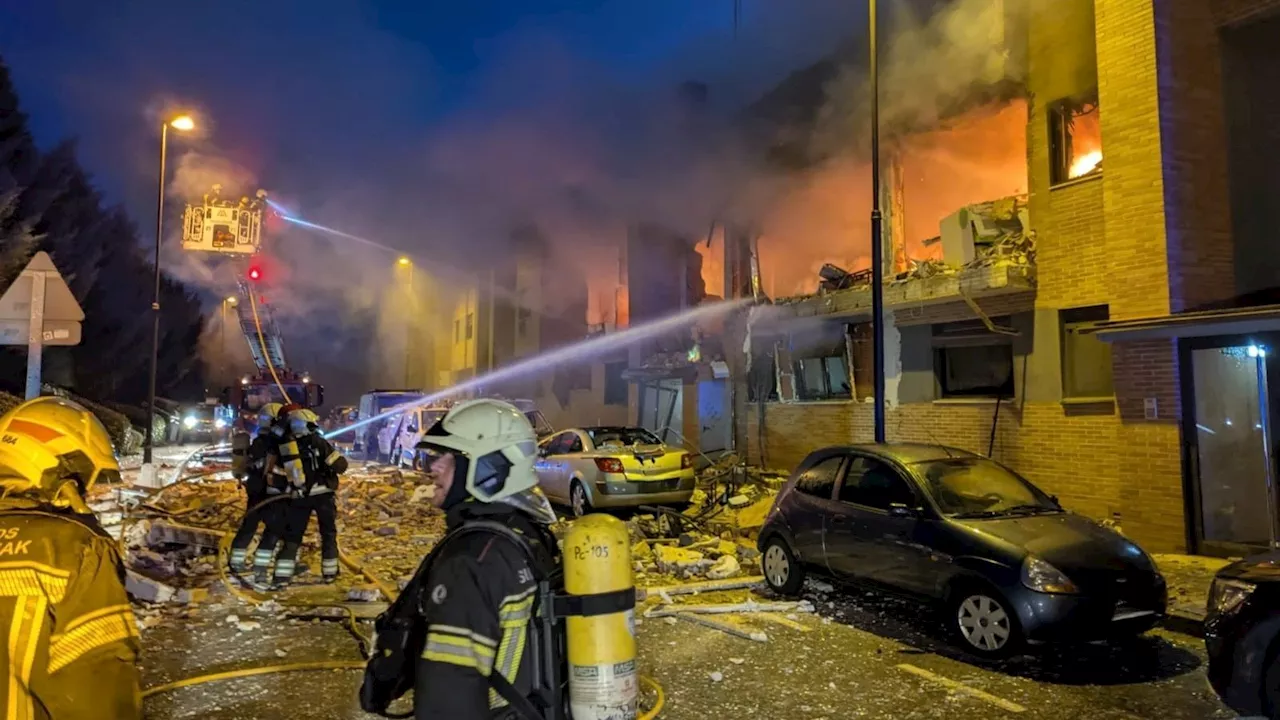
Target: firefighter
<point>478,596</point>
<point>312,466</point>
<point>259,488</point>
<point>72,641</point>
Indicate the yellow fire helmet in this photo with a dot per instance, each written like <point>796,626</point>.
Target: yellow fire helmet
<point>48,440</point>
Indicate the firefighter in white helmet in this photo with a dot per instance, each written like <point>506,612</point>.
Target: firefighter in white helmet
<point>73,642</point>
<point>475,593</point>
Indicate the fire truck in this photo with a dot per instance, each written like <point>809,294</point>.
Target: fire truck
<point>233,228</point>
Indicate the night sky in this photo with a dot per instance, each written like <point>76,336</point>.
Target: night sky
<point>356,113</point>
<point>324,86</point>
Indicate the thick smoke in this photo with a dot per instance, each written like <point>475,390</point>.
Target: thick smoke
<point>554,141</point>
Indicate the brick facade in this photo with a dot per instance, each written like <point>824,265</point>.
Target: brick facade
<point>1147,236</point>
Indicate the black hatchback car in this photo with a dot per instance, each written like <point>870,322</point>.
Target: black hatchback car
<point>1007,563</point>
<point>1242,635</point>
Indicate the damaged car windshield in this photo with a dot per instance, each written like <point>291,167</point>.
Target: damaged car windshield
<point>974,487</point>
<point>622,436</point>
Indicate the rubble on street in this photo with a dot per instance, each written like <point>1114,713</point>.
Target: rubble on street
<point>171,539</point>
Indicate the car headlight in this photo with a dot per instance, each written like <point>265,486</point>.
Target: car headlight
<point>1226,596</point>
<point>1043,577</point>
<point>219,423</point>
<point>188,422</point>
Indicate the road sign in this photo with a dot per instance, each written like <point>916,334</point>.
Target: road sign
<point>59,303</point>
<point>56,332</point>
<point>39,307</point>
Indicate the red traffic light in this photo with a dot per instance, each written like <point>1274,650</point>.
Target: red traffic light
<point>255,274</point>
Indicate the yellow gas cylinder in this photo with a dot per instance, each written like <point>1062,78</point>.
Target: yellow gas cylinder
<point>239,454</point>
<point>603,683</point>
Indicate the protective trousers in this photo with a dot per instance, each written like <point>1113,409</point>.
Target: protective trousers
<point>258,512</point>
<point>297,516</point>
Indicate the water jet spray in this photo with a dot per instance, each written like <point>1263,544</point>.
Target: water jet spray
<point>568,354</point>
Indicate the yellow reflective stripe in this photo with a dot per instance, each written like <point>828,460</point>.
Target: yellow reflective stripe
<point>513,616</point>
<point>333,457</point>
<point>29,613</point>
<point>464,652</point>
<point>87,617</point>
<point>30,578</point>
<point>105,629</point>
<point>464,633</point>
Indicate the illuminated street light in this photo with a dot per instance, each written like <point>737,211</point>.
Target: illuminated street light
<point>182,123</point>
<point>404,261</point>
<point>231,300</point>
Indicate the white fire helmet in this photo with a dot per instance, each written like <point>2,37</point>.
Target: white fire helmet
<point>500,447</point>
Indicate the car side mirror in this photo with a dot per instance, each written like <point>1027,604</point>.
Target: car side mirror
<point>898,510</point>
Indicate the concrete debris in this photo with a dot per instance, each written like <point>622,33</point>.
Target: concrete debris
<point>364,593</point>
<point>737,661</point>
<point>698,587</point>
<point>680,562</point>
<point>281,653</point>
<point>726,567</point>
<point>146,589</point>
<point>423,493</point>
<point>716,676</point>
<point>750,606</point>
<point>248,625</point>
<point>385,531</point>
<point>738,501</point>
<point>163,532</point>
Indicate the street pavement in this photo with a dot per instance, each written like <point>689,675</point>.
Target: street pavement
<point>858,657</point>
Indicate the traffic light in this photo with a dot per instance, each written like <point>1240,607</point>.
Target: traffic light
<point>255,274</point>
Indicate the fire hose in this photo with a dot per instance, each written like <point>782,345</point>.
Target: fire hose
<point>364,642</point>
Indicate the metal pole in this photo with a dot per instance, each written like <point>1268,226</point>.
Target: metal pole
<point>223,350</point>
<point>493,309</point>
<point>408,327</point>
<point>1264,415</point>
<point>35,333</point>
<point>877,260</point>
<point>155,305</point>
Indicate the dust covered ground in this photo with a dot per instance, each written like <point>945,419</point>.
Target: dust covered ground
<point>842,653</point>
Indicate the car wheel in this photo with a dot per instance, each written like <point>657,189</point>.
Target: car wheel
<point>782,572</point>
<point>984,623</point>
<point>578,501</point>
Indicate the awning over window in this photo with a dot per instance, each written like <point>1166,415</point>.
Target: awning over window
<point>1237,321</point>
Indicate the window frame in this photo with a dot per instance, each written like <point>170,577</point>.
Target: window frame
<point>1060,114</point>
<point>970,334</point>
<point>1070,320</point>
<point>471,326</point>
<point>828,392</point>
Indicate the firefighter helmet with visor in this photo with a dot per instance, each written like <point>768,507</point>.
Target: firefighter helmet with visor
<point>500,448</point>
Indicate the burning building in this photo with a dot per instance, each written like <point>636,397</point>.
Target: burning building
<point>1072,317</point>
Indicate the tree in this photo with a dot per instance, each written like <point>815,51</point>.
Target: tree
<point>48,202</point>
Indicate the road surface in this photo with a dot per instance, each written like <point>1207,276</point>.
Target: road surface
<point>858,657</point>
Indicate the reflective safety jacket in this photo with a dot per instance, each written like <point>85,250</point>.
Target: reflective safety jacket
<point>257,482</point>
<point>477,601</point>
<point>311,463</point>
<point>71,640</point>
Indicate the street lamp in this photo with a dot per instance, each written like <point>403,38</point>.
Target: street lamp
<point>877,258</point>
<point>181,123</point>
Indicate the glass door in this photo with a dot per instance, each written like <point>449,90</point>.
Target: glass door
<point>1235,482</point>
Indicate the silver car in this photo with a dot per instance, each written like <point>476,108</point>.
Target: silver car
<point>611,467</point>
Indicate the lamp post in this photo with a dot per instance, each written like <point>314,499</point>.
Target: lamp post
<point>181,123</point>
<point>877,259</point>
<point>407,264</point>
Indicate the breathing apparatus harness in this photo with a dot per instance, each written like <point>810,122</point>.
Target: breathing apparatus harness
<point>400,631</point>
